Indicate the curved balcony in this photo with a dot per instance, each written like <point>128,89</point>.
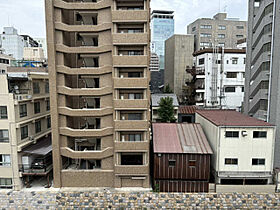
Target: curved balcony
<point>141,146</point>
<point>84,49</point>
<point>68,152</point>
<point>83,28</point>
<point>130,16</point>
<point>125,60</point>
<point>84,70</point>
<point>266,20</point>
<point>263,5</point>
<point>66,131</point>
<point>84,91</point>
<point>132,170</point>
<point>135,125</point>
<point>81,5</point>
<point>127,38</point>
<point>131,83</point>
<point>85,112</point>
<point>131,104</point>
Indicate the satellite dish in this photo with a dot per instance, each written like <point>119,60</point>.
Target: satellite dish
<point>16,87</point>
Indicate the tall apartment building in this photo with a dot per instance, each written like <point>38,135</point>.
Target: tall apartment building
<point>5,61</point>
<point>24,124</point>
<point>262,95</point>
<point>178,56</point>
<point>220,78</point>
<point>12,43</point>
<point>217,31</point>
<point>98,59</point>
<point>162,27</point>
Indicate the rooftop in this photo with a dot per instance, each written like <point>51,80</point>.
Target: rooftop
<point>210,50</point>
<point>187,109</point>
<point>180,138</point>
<point>231,118</point>
<point>166,12</point>
<point>156,98</point>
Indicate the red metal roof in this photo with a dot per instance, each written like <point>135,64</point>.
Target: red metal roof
<point>180,138</point>
<point>187,109</point>
<point>230,118</point>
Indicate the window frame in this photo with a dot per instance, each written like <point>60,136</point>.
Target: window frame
<point>228,90</point>
<point>22,112</point>
<point>3,112</point>
<point>36,88</point>
<point>38,126</point>
<point>37,109</point>
<point>259,136</point>
<point>232,161</point>
<point>3,163</point>
<point>173,163</point>
<point>4,139</point>
<point>24,135</point>
<point>232,132</point>
<point>259,161</point>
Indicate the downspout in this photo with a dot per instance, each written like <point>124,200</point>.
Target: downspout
<point>271,59</point>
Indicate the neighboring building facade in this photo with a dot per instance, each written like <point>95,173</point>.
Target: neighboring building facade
<point>162,27</point>
<point>181,158</point>
<point>217,31</point>
<point>262,95</point>
<point>5,61</point>
<point>29,41</point>
<point>33,54</point>
<point>157,75</point>
<point>12,43</point>
<point>155,105</point>
<point>243,147</point>
<point>187,114</point>
<point>220,78</point>
<point>178,56</point>
<point>100,92</point>
<point>42,42</point>
<point>24,121</point>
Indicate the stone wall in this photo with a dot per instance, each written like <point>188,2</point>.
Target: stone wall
<point>137,200</point>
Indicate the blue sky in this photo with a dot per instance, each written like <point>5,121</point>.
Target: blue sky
<point>28,16</point>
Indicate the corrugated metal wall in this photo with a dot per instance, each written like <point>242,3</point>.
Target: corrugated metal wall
<point>182,186</point>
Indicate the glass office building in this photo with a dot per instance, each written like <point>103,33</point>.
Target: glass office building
<point>162,26</point>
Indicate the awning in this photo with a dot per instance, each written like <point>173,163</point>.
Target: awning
<point>42,147</point>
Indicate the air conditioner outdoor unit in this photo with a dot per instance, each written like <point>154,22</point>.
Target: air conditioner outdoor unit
<point>244,133</point>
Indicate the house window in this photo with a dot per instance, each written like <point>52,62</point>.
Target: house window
<point>240,27</point>
<point>221,36</point>
<point>48,105</point>
<point>231,74</point>
<point>201,61</point>
<point>47,87</point>
<point>192,163</point>
<point>3,112</point>
<point>36,88</point>
<point>171,163</point>
<point>48,122</point>
<point>222,27</point>
<point>5,160</point>
<point>259,134</point>
<point>258,161</point>
<point>24,132</point>
<point>230,89</point>
<point>232,134</point>
<point>231,161</point>
<point>23,110</point>
<point>38,126</point>
<point>36,107</point>
<point>234,60</point>
<point>6,183</point>
<point>4,136</point>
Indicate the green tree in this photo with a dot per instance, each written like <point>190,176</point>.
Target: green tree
<point>167,89</point>
<point>166,110</point>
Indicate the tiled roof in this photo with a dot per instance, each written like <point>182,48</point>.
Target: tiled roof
<point>180,138</point>
<point>156,98</point>
<point>187,109</point>
<point>230,118</point>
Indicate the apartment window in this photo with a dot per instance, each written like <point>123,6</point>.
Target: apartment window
<point>171,163</point>
<point>48,122</point>
<point>258,161</point>
<point>234,60</point>
<point>47,105</point>
<point>231,161</point>
<point>3,112</point>
<point>131,159</point>
<point>6,183</point>
<point>204,44</point>
<point>206,26</point>
<point>192,163</point>
<point>201,61</point>
<point>244,60</point>
<point>134,74</point>
<point>239,36</point>
<point>221,36</point>
<point>4,136</point>
<point>38,126</point>
<point>242,89</point>
<point>231,74</point>
<point>36,107</point>
<point>221,44</point>
<point>230,89</point>
<point>232,134</point>
<point>205,35</point>
<point>134,137</point>
<point>23,110</point>
<point>36,88</point>
<point>240,27</point>
<point>194,29</point>
<point>259,134</point>
<point>222,27</point>
<point>24,132</point>
<point>47,87</point>
<point>5,160</point>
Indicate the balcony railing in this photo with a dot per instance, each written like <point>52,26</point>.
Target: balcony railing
<point>35,169</point>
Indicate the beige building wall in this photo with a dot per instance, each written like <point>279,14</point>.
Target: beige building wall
<point>33,54</point>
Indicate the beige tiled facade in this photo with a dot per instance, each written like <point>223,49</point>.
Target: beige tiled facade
<point>98,59</point>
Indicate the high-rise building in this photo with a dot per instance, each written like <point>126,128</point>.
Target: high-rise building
<point>262,95</point>
<point>98,59</point>
<point>162,27</point>
<point>12,43</point>
<point>178,56</point>
<point>217,31</point>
